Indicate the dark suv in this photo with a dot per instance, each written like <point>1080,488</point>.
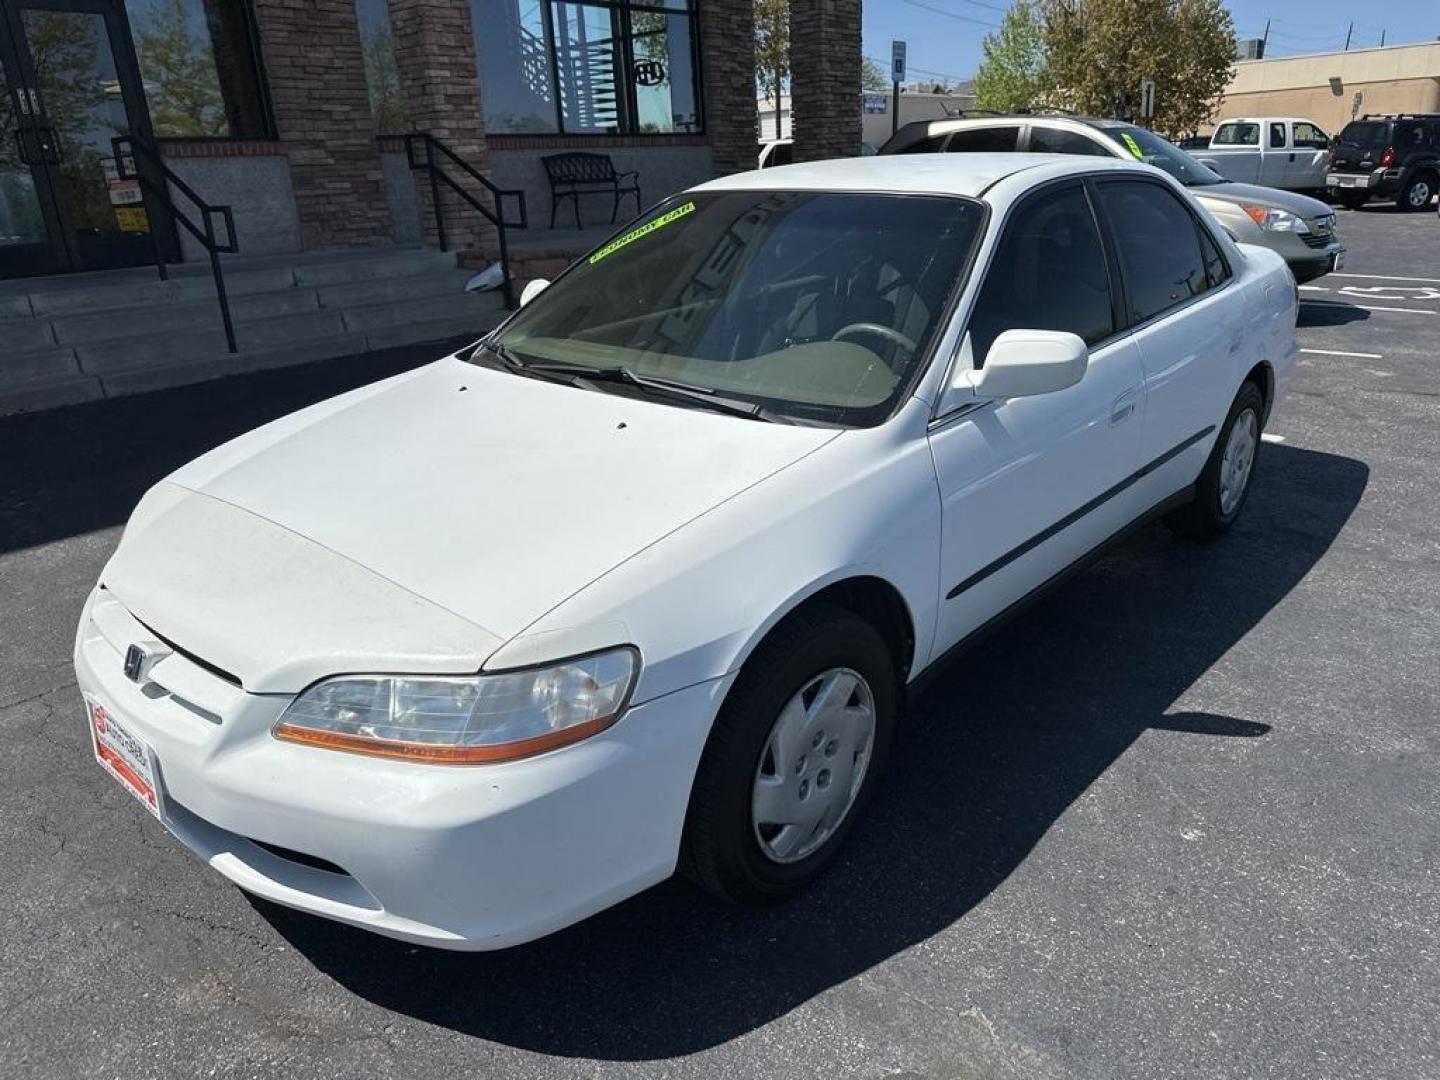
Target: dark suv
<point>1390,156</point>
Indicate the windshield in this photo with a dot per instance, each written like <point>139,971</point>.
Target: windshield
<point>1153,150</point>
<point>813,305</point>
<point>1366,134</point>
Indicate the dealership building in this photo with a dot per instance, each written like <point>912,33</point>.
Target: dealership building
<point>293,116</point>
<point>1332,88</point>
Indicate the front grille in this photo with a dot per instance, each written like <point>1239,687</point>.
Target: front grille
<point>1314,240</point>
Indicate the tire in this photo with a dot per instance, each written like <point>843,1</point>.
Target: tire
<point>1215,508</point>
<point>1417,193</point>
<point>1352,200</point>
<point>724,849</point>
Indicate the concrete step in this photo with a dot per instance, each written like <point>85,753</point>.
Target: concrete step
<point>24,334</point>
<point>87,293</point>
<point>22,367</point>
<point>182,316</point>
<point>162,350</point>
<point>357,293</point>
<point>475,307</point>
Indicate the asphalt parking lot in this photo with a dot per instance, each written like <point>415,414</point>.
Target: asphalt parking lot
<point>1180,820</point>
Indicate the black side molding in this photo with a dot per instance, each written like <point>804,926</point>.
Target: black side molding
<point>1074,516</point>
<point>927,675</point>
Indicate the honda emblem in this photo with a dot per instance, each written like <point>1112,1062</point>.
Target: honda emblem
<point>135,658</point>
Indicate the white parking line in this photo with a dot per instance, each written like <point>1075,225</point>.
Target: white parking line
<point>1369,307</point>
<point>1267,437</point>
<point>1334,352</point>
<point>1313,288</point>
<point>1386,277</point>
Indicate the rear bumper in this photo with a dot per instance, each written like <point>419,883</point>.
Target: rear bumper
<point>462,857</point>
<point>1375,182</point>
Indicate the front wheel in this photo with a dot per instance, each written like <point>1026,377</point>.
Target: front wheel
<point>792,758</point>
<point>1224,483</point>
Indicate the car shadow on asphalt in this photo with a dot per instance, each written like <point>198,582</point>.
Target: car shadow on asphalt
<point>1329,313</point>
<point>987,760</point>
<point>77,469</point>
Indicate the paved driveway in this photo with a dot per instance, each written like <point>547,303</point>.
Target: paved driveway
<point>1181,820</point>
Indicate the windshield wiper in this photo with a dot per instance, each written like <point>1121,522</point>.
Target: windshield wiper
<point>580,374</point>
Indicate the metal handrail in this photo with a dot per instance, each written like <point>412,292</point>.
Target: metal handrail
<point>125,148</point>
<point>436,171</point>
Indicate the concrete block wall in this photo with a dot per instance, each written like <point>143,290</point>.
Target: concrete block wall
<point>259,193</point>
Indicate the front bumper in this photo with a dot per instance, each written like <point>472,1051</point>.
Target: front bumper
<point>1307,262</point>
<point>462,857</point>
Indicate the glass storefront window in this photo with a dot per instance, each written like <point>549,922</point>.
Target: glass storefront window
<point>197,61</point>
<point>594,68</point>
<point>382,76</point>
<point>515,50</point>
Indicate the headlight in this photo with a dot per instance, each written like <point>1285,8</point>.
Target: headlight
<point>1273,219</point>
<point>465,719</point>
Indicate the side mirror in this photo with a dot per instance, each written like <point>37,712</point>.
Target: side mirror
<point>533,288</point>
<point>1023,363</point>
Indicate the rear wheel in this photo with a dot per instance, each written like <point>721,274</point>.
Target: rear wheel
<point>1224,483</point>
<point>1417,194</point>
<point>792,758</point>
<point>1352,200</point>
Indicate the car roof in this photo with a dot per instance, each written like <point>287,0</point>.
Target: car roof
<point>949,174</point>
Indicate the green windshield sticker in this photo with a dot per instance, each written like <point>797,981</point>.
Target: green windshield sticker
<point>644,230</point>
<point>1132,145</point>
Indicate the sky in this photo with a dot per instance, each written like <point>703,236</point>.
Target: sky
<point>943,36</point>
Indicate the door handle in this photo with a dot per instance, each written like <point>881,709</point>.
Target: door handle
<point>1124,406</point>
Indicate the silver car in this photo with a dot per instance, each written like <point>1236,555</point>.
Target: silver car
<point>1298,228</point>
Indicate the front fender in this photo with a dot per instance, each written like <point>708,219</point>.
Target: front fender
<point>697,602</point>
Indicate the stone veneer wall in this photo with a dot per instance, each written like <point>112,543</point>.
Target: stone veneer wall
<point>435,57</point>
<point>825,78</point>
<point>727,64</point>
<point>322,112</point>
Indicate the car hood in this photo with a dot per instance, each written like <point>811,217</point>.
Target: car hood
<point>1300,205</point>
<point>437,514</point>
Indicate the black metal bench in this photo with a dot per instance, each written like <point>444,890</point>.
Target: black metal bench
<point>573,175</point>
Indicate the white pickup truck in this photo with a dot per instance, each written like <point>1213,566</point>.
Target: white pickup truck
<point>1277,151</point>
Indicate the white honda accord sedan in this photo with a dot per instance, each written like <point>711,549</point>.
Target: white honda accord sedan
<point>642,579</point>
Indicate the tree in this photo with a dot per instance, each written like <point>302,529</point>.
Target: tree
<point>382,80</point>
<point>772,50</point>
<point>872,75</point>
<point>1014,72</point>
<point>1099,51</point>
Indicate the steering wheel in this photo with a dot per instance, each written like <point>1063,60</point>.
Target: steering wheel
<point>895,337</point>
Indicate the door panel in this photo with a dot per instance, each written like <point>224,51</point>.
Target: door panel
<point>1188,332</point>
<point>1024,486</point>
<point>1030,484</point>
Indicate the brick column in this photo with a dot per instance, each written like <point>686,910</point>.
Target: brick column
<point>317,86</point>
<point>440,86</point>
<point>825,78</point>
<point>727,63</point>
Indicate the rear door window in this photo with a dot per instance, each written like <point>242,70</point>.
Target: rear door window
<point>992,140</point>
<point>1048,273</point>
<point>1158,246</point>
<point>1277,136</point>
<point>1044,140</point>
<point>1237,134</point>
